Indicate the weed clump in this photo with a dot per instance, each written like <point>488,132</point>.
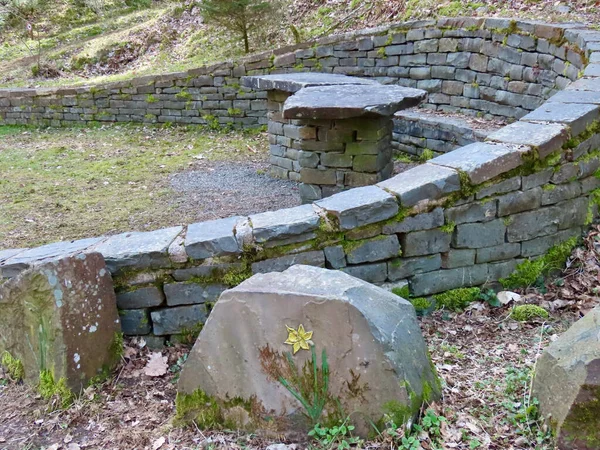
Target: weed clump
<point>531,272</point>
<point>13,366</point>
<point>457,299</point>
<point>524,313</point>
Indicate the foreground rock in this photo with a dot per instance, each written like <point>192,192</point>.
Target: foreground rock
<point>567,385</point>
<point>61,316</point>
<point>265,334</point>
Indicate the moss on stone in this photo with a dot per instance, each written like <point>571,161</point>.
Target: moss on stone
<point>583,422</point>
<point>13,366</point>
<point>524,313</point>
<point>199,408</point>
<point>457,299</point>
<point>51,389</point>
<point>116,347</point>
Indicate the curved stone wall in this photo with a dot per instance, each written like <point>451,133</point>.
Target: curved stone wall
<point>465,218</point>
<point>486,67</point>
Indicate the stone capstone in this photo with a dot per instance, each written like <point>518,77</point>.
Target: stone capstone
<point>138,250</point>
<point>567,384</point>
<point>293,82</point>
<point>61,316</point>
<point>370,337</point>
<point>344,102</point>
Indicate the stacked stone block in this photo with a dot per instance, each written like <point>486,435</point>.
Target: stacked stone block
<point>328,156</point>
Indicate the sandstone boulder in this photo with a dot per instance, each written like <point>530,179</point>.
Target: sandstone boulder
<point>567,385</point>
<point>303,346</point>
<point>61,316</point>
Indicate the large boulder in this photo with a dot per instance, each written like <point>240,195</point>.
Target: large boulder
<point>567,385</point>
<point>60,316</point>
<point>253,364</point>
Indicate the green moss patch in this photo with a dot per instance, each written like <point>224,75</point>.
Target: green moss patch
<point>50,389</point>
<point>524,313</point>
<point>13,366</point>
<point>200,408</point>
<point>457,299</point>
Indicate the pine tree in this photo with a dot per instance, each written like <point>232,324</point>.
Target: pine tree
<point>239,16</point>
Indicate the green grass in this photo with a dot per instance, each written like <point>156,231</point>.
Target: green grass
<point>70,183</point>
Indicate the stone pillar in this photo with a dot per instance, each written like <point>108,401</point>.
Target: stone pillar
<point>331,132</point>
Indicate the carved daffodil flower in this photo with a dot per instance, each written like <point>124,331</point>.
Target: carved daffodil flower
<point>299,339</point>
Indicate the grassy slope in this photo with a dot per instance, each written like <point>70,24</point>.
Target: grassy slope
<point>170,36</point>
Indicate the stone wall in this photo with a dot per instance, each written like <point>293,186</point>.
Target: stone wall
<point>467,217</point>
<point>416,131</point>
<point>485,67</point>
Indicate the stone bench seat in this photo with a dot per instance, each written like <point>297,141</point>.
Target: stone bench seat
<point>331,132</point>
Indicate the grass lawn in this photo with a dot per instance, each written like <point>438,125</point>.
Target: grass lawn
<point>70,183</point>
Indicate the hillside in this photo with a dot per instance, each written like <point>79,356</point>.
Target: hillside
<point>76,42</point>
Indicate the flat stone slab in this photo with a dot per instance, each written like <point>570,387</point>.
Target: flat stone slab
<point>345,102</point>
<point>139,250</point>
<point>422,183</point>
<point>284,223</point>
<point>578,116</point>
<point>482,161</point>
<point>585,84</point>
<point>567,384</point>
<point>370,337</point>
<point>293,82</point>
<point>545,137</point>
<point>360,206</point>
<point>212,238</point>
<point>576,97</point>
<point>61,316</point>
<point>23,260</point>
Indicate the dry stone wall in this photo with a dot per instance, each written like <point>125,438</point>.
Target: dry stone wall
<point>486,67</point>
<point>465,218</point>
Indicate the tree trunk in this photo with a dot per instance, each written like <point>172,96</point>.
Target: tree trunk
<point>246,43</point>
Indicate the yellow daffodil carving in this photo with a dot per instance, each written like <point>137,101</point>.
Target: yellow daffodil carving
<point>299,339</point>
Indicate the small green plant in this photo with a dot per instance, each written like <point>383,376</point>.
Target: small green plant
<point>448,227</point>
<point>524,313</point>
<point>183,95</point>
<point>426,155</point>
<point>13,366</point>
<point>489,296</point>
<point>309,385</point>
<point>151,99</point>
<point>58,390</point>
<point>403,291</point>
<point>188,336</point>
<point>339,436</point>
<point>457,299</point>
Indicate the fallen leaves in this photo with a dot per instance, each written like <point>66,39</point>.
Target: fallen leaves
<point>157,365</point>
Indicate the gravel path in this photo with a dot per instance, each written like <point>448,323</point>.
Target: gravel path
<point>224,189</point>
